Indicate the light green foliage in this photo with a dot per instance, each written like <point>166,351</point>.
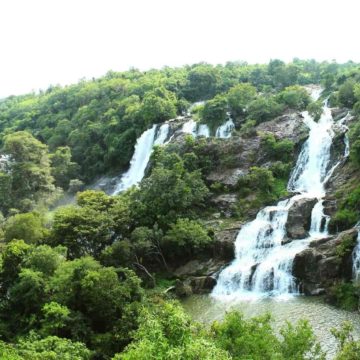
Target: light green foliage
<point>29,180</point>
<point>62,168</point>
<point>263,109</point>
<point>277,149</point>
<point>255,339</point>
<point>239,97</point>
<point>29,227</point>
<point>349,349</point>
<point>89,227</point>
<point>214,112</point>
<point>167,333</point>
<point>56,317</point>
<point>181,194</point>
<point>186,236</point>
<point>12,257</point>
<point>158,106</point>
<point>51,348</point>
<point>348,211</point>
<point>315,109</point>
<point>295,97</point>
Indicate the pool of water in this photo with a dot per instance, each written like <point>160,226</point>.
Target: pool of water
<point>322,316</point>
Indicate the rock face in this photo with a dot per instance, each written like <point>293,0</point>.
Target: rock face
<point>325,261</point>
<point>224,247</point>
<point>299,218</point>
<point>247,151</point>
<point>225,203</point>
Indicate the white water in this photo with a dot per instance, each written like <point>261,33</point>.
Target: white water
<point>262,265</point>
<point>141,156</point>
<point>203,130</point>
<point>224,131</point>
<point>195,129</point>
<point>356,257</point>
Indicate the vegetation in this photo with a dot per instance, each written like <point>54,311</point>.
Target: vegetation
<point>75,281</point>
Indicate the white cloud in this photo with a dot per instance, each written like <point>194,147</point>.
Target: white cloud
<point>47,42</point>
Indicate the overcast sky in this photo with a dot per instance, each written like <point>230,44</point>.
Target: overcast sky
<point>47,42</point>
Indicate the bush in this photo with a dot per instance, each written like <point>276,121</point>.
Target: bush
<point>263,109</point>
<point>295,97</point>
<point>186,236</point>
<point>345,296</point>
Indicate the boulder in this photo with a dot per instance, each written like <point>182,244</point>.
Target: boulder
<point>199,268</point>
<point>299,218</point>
<point>224,245</point>
<point>324,262</point>
<point>194,285</point>
<point>182,289</point>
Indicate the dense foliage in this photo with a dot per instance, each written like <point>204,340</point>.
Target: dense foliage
<point>74,281</point>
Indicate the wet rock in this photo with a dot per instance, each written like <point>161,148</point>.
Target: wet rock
<point>288,126</point>
<point>202,284</point>
<point>182,289</point>
<point>199,268</point>
<point>338,113</point>
<point>324,262</point>
<point>299,218</point>
<point>224,245</point>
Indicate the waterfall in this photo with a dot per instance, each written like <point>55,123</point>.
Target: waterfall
<point>189,127</point>
<point>141,156</point>
<point>203,130</point>
<point>356,257</point>
<point>224,131</point>
<point>195,129</point>
<point>263,264</point>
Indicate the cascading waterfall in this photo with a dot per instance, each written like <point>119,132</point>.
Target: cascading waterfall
<point>356,257</point>
<point>141,156</point>
<point>224,131</point>
<point>263,264</point>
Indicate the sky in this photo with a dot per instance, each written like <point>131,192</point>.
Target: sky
<point>49,42</point>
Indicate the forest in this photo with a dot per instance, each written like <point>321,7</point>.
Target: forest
<point>94,278</point>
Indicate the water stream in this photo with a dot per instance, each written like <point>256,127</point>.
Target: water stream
<point>321,316</point>
<point>141,156</point>
<point>263,262</point>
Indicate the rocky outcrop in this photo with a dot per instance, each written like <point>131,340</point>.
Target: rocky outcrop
<point>325,261</point>
<point>225,203</point>
<point>227,177</point>
<point>224,245</point>
<point>299,218</point>
<point>288,126</point>
<point>194,285</point>
<point>199,268</point>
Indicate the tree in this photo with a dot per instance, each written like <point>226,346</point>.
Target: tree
<point>295,97</point>
<point>315,109</point>
<point>239,97</point>
<point>30,171</point>
<point>168,194</point>
<point>82,230</point>
<point>62,168</point>
<point>186,236</point>
<point>263,109</point>
<point>214,112</point>
<point>29,227</point>
<point>346,95</point>
<point>166,332</point>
